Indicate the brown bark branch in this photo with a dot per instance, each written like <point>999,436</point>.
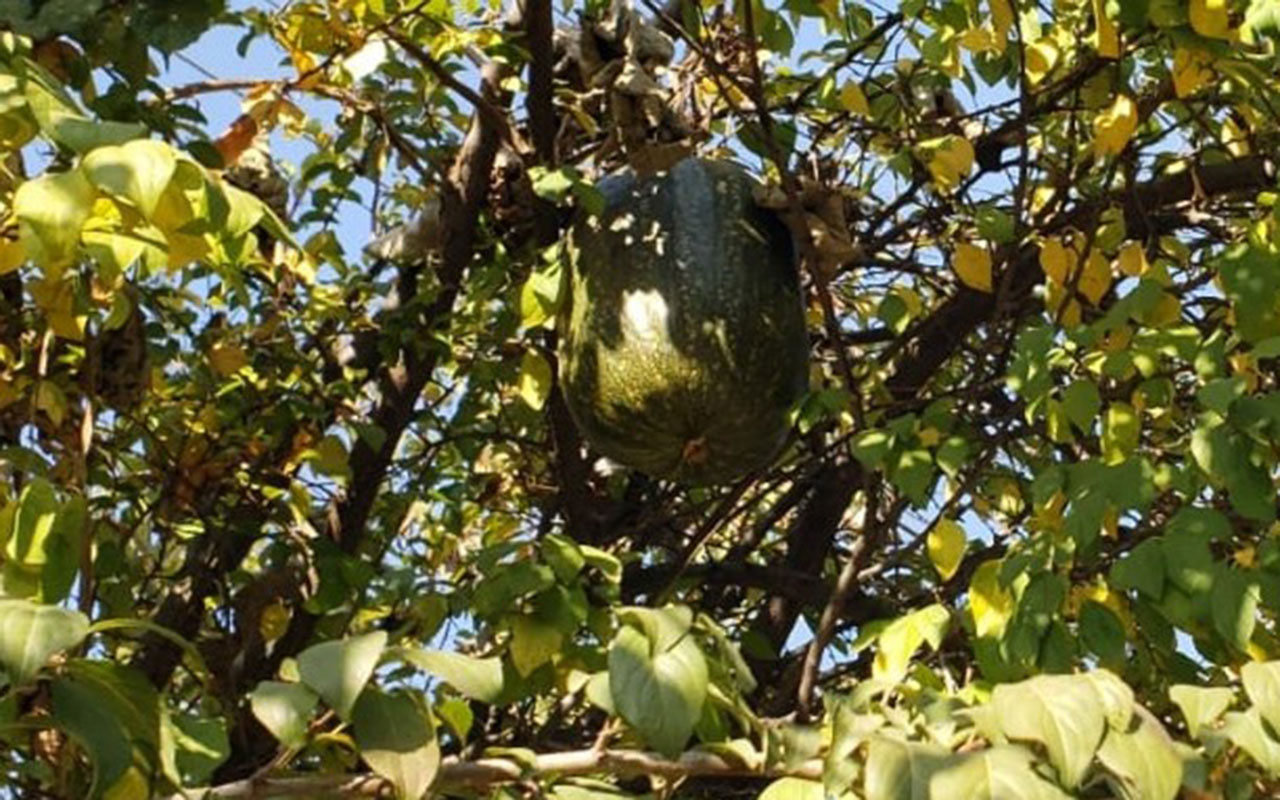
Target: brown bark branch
<point>486,772</point>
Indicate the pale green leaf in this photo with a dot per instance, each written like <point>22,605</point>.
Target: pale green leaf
<point>1245,730</point>
<point>1064,713</point>
<point>1201,706</point>
<point>338,671</point>
<point>899,641</point>
<point>397,738</point>
<point>285,710</point>
<point>30,634</point>
<point>999,773</point>
<point>51,210</point>
<point>1143,761</point>
<point>1262,685</point>
<point>792,789</point>
<point>138,171</point>
<point>898,770</point>
<point>477,678</point>
<point>659,693</point>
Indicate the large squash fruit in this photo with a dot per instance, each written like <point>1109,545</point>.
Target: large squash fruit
<point>685,345</point>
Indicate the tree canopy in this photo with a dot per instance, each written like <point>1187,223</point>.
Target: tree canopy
<point>282,514</point>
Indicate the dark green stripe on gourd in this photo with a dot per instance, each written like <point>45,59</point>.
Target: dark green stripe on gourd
<point>685,344</point>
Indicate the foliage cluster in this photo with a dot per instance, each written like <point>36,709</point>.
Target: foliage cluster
<point>280,519</point>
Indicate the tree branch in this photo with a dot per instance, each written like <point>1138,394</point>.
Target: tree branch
<point>487,772</point>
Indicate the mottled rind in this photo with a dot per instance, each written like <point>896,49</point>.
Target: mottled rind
<point>685,345</point>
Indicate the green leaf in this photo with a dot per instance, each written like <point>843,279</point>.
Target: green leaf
<point>1262,685</point>
<point>535,379</point>
<point>1251,278</point>
<point>1220,393</point>
<point>134,703</point>
<point>79,712</point>
<point>998,773</point>
<point>1225,455</point>
<point>553,185</point>
<point>563,555</point>
<point>899,641</point>
<point>1142,569</point>
<point>1234,606</point>
<point>913,474</point>
<point>1103,633</point>
<point>285,710</point>
<point>994,224</point>
<point>792,789</point>
<point>1188,561</point>
<point>51,210</point>
<point>1144,761</point>
<point>193,747</point>
<point>1202,705</point>
<point>659,692</point>
<point>476,678</point>
<point>841,766</point>
<point>244,211</point>
<point>663,626</point>
<point>871,447</point>
<point>1063,713</point>
<point>139,171</point>
<point>83,135</point>
<point>338,671</point>
<point>1082,402</point>
<point>533,643</point>
<point>897,770</point>
<point>30,634</point>
<point>397,739</point>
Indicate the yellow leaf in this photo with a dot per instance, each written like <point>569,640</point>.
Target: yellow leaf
<point>1040,58</point>
<point>274,621</point>
<point>1121,431</point>
<point>854,100</point>
<point>1114,126</point>
<point>1057,261</point>
<point>1191,70</point>
<point>1058,423</point>
<point>1095,278</point>
<point>989,602</point>
<point>1166,312</point>
<point>929,436</point>
<point>12,255</point>
<point>227,358</point>
<point>535,380</point>
<point>1234,139</point>
<point>52,401</point>
<point>1002,20</point>
<point>1105,37</point>
<point>950,161</point>
<point>972,265</point>
<point>980,40</point>
<point>1209,18</point>
<point>8,394</point>
<point>1131,259</point>
<point>946,545</point>
<point>1246,556</point>
<point>1111,523</point>
<point>57,298</point>
<point>1055,298</point>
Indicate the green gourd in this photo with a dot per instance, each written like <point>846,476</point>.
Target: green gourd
<point>684,347</point>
